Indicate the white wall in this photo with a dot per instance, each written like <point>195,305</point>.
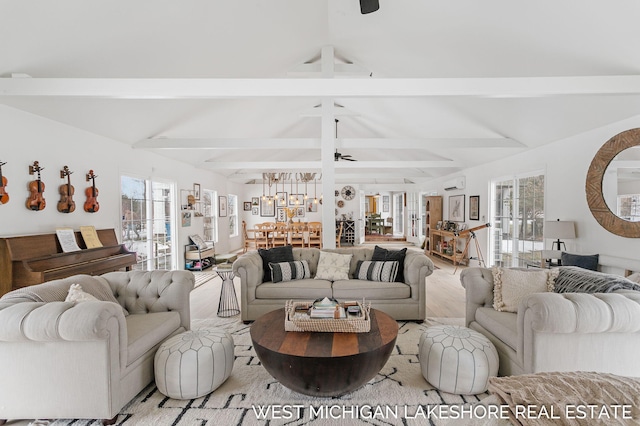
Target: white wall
<point>565,163</point>
<point>25,138</point>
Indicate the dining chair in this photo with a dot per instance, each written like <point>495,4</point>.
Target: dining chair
<point>245,236</point>
<point>280,234</point>
<point>315,234</point>
<point>262,234</point>
<point>297,230</point>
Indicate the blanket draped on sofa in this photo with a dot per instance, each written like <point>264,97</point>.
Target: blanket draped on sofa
<point>572,279</point>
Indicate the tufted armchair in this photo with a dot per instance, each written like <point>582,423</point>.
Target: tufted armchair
<point>87,360</point>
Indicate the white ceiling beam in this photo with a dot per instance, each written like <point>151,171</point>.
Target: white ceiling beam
<point>313,69</point>
<point>314,143</point>
<point>229,143</point>
<point>263,165</point>
<point>427,143</point>
<point>195,88</point>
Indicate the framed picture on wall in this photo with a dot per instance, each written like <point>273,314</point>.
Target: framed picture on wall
<point>196,191</point>
<point>255,211</point>
<point>281,214</point>
<point>267,209</point>
<point>222,206</point>
<point>247,206</point>
<point>311,207</point>
<point>385,207</point>
<point>474,207</point>
<point>296,200</point>
<point>255,201</point>
<point>299,211</point>
<point>456,208</point>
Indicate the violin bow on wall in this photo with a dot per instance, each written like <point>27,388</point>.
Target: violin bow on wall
<point>66,203</point>
<point>91,205</point>
<point>4,197</point>
<point>36,200</point>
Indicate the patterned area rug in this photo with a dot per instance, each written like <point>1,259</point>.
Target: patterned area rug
<point>398,395</point>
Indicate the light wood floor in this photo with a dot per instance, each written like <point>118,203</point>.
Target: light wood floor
<point>445,294</point>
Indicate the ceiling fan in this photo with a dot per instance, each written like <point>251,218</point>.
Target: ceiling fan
<point>337,156</point>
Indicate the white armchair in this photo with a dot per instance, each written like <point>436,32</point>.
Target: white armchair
<point>86,360</point>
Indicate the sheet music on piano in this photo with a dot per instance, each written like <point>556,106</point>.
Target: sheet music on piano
<point>90,237</point>
<point>67,239</point>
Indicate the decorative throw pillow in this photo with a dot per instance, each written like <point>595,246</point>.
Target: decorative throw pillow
<point>274,255</point>
<point>289,271</point>
<point>376,270</point>
<point>77,295</point>
<point>510,286</point>
<point>198,241</point>
<point>583,261</point>
<point>380,253</point>
<point>634,277</point>
<point>333,266</point>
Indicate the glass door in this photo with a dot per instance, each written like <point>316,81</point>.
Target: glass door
<point>517,220</point>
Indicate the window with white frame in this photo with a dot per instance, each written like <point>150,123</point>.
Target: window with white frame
<point>233,215</point>
<point>210,215</point>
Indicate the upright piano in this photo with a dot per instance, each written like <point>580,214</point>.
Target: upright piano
<point>33,259</point>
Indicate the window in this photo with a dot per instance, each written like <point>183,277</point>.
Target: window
<point>233,215</point>
<point>210,215</point>
<point>517,221</point>
<point>148,221</point>
<point>629,207</point>
<point>398,213</point>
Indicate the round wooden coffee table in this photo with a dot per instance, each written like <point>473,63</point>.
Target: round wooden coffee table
<point>323,364</point>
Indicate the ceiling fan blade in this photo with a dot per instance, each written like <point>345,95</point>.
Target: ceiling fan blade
<point>349,159</point>
<point>368,6</point>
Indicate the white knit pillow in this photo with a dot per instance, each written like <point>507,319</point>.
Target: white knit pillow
<point>333,266</point>
<point>510,286</point>
<point>77,295</point>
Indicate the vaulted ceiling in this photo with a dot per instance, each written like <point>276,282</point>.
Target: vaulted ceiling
<point>421,89</point>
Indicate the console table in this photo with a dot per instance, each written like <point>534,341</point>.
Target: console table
<point>439,238</point>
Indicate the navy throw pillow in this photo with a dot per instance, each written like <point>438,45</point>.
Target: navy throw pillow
<point>274,255</point>
<point>380,253</point>
<point>583,261</point>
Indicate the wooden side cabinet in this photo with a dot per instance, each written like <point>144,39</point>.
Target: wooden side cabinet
<point>433,212</point>
<point>445,245</point>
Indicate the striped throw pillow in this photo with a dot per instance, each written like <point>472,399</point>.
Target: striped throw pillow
<point>372,270</point>
<point>289,271</point>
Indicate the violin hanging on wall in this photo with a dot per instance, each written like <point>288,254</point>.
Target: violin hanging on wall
<point>36,189</point>
<point>91,205</point>
<point>4,197</point>
<point>66,203</point>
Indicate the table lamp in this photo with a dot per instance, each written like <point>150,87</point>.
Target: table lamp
<point>557,229</point>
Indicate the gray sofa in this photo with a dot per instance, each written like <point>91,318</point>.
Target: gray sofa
<point>87,360</point>
<point>403,301</point>
<point>557,331</point>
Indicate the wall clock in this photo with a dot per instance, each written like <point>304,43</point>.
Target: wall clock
<point>348,192</point>
<point>340,203</point>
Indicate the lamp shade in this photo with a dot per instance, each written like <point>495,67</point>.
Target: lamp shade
<point>559,229</point>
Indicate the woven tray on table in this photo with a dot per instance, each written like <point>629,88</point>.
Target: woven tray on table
<point>298,322</point>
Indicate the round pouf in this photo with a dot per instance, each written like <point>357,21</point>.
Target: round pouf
<point>194,363</point>
<point>457,359</point>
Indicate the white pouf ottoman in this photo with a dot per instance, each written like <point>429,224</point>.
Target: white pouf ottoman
<point>194,363</point>
<point>457,359</point>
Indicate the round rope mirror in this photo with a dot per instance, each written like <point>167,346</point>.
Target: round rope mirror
<point>595,197</point>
